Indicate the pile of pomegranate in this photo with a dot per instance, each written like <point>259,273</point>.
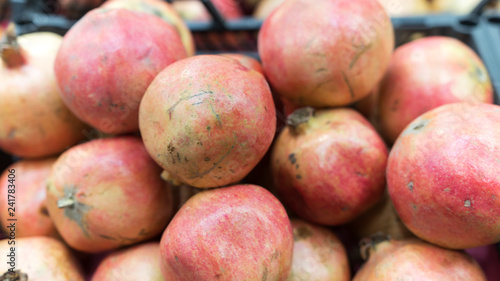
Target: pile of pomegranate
<point>336,156</point>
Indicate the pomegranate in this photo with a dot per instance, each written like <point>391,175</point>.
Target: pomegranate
<point>240,232</point>
<point>455,7</point>
<point>28,179</point>
<point>103,66</point>
<point>193,10</point>
<point>34,122</point>
<point>406,7</point>
<point>207,120</point>
<point>246,61</point>
<point>159,8</point>
<point>381,218</point>
<point>317,254</point>
<point>40,259</point>
<point>413,259</point>
<point>442,175</point>
<point>75,9</point>
<point>328,165</point>
<point>266,7</point>
<point>140,262</point>
<point>425,74</point>
<point>108,193</point>
<point>327,52</point>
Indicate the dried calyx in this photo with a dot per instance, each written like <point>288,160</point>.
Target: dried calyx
<point>300,116</point>
<point>10,51</point>
<point>370,243</point>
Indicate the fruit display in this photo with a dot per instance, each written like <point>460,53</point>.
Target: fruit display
<point>249,140</point>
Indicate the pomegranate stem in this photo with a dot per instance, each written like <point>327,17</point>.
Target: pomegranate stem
<point>65,202</point>
<point>300,116</point>
<point>10,51</point>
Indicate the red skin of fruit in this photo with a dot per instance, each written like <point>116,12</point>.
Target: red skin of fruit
<point>141,262</point>
<point>30,183</point>
<point>34,122</point>
<point>207,120</point>
<point>317,254</point>
<point>326,53</point>
<point>425,74</point>
<point>162,9</point>
<point>330,169</point>
<point>121,198</point>
<point>442,175</point>
<point>102,81</point>
<point>193,10</point>
<point>266,7</point>
<point>413,259</point>
<point>246,61</point>
<point>42,259</point>
<point>240,232</point>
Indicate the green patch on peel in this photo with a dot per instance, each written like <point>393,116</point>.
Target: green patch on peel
<point>77,210</point>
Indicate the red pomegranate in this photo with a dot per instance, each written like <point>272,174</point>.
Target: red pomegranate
<point>103,66</point>
<point>425,74</point>
<point>34,122</point>
<point>266,7</point>
<point>328,165</point>
<point>28,180</point>
<point>108,193</point>
<point>326,53</point>
<point>240,232</point>
<point>442,175</point>
<point>207,120</point>
<point>40,259</point>
<point>246,61</point>
<point>158,8</point>
<point>317,254</point>
<point>413,259</point>
<point>193,10</point>
<point>140,262</point>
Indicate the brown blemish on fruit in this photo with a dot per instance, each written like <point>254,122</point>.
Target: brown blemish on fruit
<point>207,159</point>
<point>467,203</point>
<point>43,211</point>
<point>301,233</point>
<point>414,206</point>
<point>351,91</point>
<point>319,70</point>
<point>410,186</point>
<point>292,158</point>
<point>395,105</point>
<point>359,174</point>
<point>265,273</point>
<point>298,177</point>
<point>107,237</point>
<point>216,115</point>
<point>171,109</point>
<point>202,174</point>
<point>362,49</point>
